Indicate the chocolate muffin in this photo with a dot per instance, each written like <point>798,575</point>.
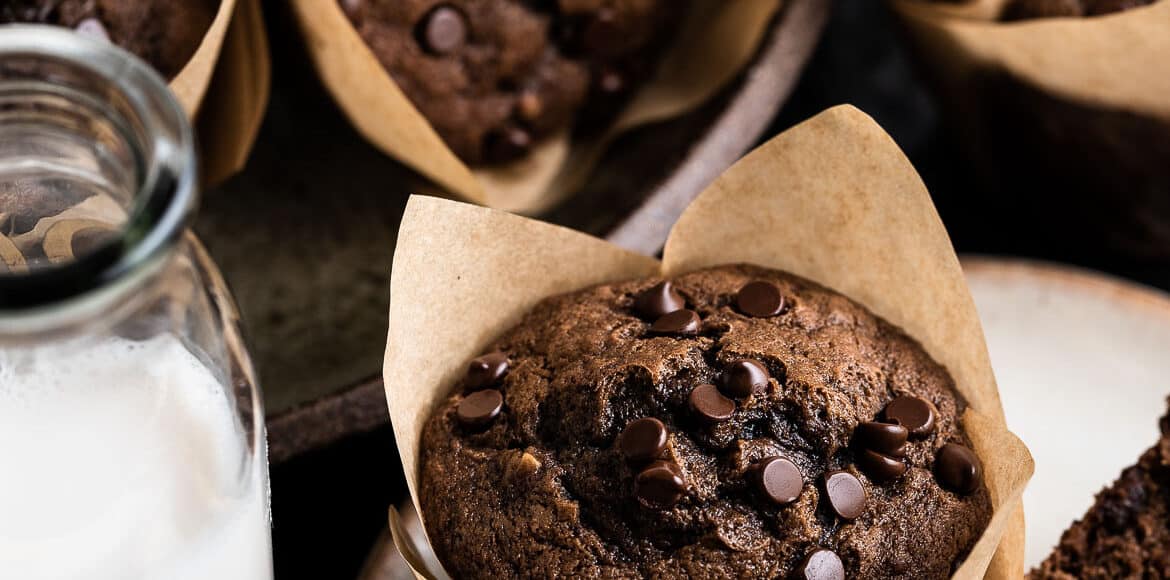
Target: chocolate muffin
<point>164,33</point>
<point>1126,534</point>
<point>494,76</point>
<point>731,422</point>
<point>1027,9</point>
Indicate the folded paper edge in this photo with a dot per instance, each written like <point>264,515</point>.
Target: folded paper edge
<point>190,85</point>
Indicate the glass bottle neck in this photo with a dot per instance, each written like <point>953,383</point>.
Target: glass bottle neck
<point>97,180</point>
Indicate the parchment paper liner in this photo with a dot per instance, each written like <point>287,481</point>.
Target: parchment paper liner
<point>832,199</point>
<point>714,43</point>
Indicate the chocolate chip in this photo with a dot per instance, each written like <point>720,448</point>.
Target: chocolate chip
<point>643,440</point>
<point>508,144</point>
<point>885,438</point>
<point>744,377</point>
<point>846,494</point>
<point>880,468</point>
<point>610,81</point>
<point>602,33</point>
<point>760,299</point>
<point>529,106</point>
<point>957,469</point>
<point>822,564</point>
<point>778,479</point>
<point>685,322</point>
<point>657,463</point>
<point>915,414</point>
<point>443,30</point>
<point>93,28</point>
<point>480,408</point>
<point>658,300</point>
<point>709,404</point>
<point>659,485</point>
<point>486,370</point>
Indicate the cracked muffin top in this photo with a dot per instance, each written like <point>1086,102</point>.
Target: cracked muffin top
<point>731,422</point>
<point>164,33</point>
<point>494,77</point>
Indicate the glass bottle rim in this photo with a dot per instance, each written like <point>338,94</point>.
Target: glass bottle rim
<point>164,201</point>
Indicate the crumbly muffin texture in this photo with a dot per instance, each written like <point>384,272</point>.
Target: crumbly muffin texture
<point>1027,9</point>
<point>164,33</point>
<point>1126,534</point>
<point>495,76</point>
<point>733,422</point>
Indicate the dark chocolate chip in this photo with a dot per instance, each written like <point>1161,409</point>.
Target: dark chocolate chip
<point>659,485</point>
<point>508,144</point>
<point>915,414</point>
<point>443,30</point>
<point>610,81</point>
<point>480,408</point>
<point>672,466</point>
<point>658,300</point>
<point>760,299</point>
<point>957,469</point>
<point>880,468</point>
<point>486,370</point>
<point>529,106</point>
<point>643,440</point>
<point>885,438</point>
<point>710,405</point>
<point>93,28</point>
<point>778,479</point>
<point>685,322</point>
<point>744,377</point>
<point>846,494</point>
<point>822,564</point>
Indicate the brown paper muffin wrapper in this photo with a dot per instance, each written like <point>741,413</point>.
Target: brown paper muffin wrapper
<point>225,87</point>
<point>833,200</point>
<point>1063,110</point>
<point>715,41</point>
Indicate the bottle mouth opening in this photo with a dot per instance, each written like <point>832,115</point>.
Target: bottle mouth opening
<point>97,172</point>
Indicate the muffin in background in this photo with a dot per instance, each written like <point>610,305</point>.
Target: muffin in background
<point>734,421</point>
<point>164,33</point>
<point>494,77</point>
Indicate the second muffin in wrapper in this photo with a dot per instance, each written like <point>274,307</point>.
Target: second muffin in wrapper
<point>832,200</point>
<point>1067,120</point>
<point>714,42</point>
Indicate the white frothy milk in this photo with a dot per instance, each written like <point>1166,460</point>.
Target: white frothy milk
<point>124,460</point>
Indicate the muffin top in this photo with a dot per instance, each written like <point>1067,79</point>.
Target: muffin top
<point>730,422</point>
<point>164,33</point>
<point>494,76</point>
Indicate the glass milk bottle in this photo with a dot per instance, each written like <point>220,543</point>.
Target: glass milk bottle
<point>132,438</point>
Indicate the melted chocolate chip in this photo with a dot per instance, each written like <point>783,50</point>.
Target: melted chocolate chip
<point>480,408</point>
<point>915,414</point>
<point>846,494</point>
<point>610,81</point>
<point>885,438</point>
<point>486,370</point>
<point>660,485</point>
<point>880,468</point>
<point>710,405</point>
<point>643,440</point>
<point>778,479</point>
<point>507,144</point>
<point>822,565</point>
<point>957,469</point>
<point>684,322</point>
<point>760,299</point>
<point>658,300</point>
<point>744,377</point>
<point>443,30</point>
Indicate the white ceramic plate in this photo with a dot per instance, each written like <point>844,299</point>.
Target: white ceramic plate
<point>1083,365</point>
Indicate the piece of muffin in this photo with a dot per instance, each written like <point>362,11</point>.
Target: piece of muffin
<point>495,76</point>
<point>1027,9</point>
<point>164,33</point>
<point>730,422</point>
<point>1126,534</point>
